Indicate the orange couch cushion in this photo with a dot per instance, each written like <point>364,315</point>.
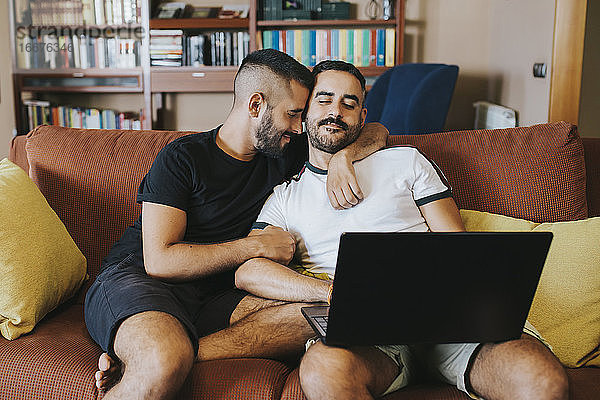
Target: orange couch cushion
<point>535,173</point>
<point>57,360</point>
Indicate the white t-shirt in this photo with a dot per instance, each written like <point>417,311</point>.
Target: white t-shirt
<point>394,181</point>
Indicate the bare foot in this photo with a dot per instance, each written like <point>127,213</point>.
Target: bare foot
<point>109,372</point>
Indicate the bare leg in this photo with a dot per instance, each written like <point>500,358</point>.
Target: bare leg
<point>109,371</point>
<point>338,373</point>
<point>157,356</point>
<point>260,328</point>
<point>519,369</point>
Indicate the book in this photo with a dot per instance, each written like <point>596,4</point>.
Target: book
<point>289,43</point>
<point>343,37</point>
<point>373,47</point>
<point>313,49</point>
<point>99,12</point>
<point>390,47</point>
<point>76,49</point>
<point>298,45</point>
<point>350,46</point>
<point>357,47</point>
<point>88,12</point>
<point>267,39</point>
<point>380,53</point>
<point>366,43</point>
<point>83,52</point>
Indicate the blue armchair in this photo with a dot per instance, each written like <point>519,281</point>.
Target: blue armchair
<point>412,98</point>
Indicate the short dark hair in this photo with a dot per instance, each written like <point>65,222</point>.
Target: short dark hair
<point>337,65</point>
<point>281,64</point>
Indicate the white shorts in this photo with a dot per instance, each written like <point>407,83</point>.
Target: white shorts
<point>447,362</point>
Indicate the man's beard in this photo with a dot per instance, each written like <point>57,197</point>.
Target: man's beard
<point>268,138</point>
<point>326,142</point>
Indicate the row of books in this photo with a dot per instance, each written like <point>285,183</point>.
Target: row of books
<point>289,9</point>
<point>79,12</point>
<point>361,47</point>
<point>173,48</point>
<point>40,112</point>
<point>75,51</point>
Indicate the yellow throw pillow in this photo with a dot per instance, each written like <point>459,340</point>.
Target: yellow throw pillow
<point>40,265</point>
<point>566,306</point>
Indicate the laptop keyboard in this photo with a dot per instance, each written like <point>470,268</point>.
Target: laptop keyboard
<point>322,321</point>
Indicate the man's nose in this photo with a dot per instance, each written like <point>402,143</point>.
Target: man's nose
<point>335,110</point>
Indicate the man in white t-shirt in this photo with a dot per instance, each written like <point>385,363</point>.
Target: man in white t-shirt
<point>403,191</point>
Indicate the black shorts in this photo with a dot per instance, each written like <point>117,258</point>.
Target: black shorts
<point>124,289</point>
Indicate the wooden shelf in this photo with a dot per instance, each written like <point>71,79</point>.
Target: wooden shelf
<point>199,23</point>
<point>79,72</point>
<point>202,68</point>
<point>192,79</point>
<point>326,22</point>
<point>91,80</point>
<point>373,71</point>
<point>85,27</point>
<point>83,89</point>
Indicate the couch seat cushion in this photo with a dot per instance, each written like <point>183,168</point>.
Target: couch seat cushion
<point>243,379</point>
<point>57,360</point>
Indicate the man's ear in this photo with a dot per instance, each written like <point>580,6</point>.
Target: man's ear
<point>363,117</point>
<point>255,104</point>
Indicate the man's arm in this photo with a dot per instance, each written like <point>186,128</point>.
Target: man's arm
<point>167,257</point>
<point>442,216</point>
<point>342,187</point>
<point>266,278</point>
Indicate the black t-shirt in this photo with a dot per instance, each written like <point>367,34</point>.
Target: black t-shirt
<point>221,195</point>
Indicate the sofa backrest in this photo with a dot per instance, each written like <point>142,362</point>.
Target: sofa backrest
<point>90,177</point>
<point>535,173</point>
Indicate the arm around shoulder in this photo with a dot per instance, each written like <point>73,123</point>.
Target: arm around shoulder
<point>342,187</point>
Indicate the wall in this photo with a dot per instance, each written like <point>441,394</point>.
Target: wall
<point>521,34</point>
<point>7,118</point>
<point>495,44</point>
<point>589,107</point>
<point>453,32</point>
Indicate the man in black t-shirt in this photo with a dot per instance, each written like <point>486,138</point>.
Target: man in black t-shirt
<point>165,295</point>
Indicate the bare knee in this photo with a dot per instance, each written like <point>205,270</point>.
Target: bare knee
<point>522,368</point>
<point>331,373</point>
<point>155,349</point>
<point>544,381</point>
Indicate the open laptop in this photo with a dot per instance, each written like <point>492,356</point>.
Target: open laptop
<point>409,288</point>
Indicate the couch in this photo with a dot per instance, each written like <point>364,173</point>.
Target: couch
<point>90,178</point>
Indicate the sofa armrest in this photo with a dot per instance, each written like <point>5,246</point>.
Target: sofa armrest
<point>591,148</point>
<point>17,153</point>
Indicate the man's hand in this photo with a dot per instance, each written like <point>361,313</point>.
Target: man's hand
<point>275,244</point>
<point>342,186</point>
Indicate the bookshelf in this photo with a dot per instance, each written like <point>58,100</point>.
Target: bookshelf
<point>65,48</point>
<point>44,67</point>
